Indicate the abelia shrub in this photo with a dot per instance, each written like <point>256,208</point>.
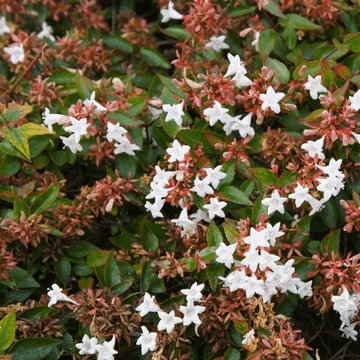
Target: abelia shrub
<point>179,179</point>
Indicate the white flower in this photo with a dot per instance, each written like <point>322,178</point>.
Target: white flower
<point>72,142</point>
<point>271,99</point>
<point>272,232</point>
<point>215,175</point>
<point>243,126</point>
<point>87,345</point>
<point>330,186</point>
<point>333,168</point>
<point>174,112</point>
<point>183,219</point>
<point>217,112</point>
<point>16,53</point>
<point>177,152</point>
<point>191,313</point>
<point>125,146</point>
<point>255,42</point>
<point>316,205</point>
<point>257,238</point>
<point>155,208</point>
<point>215,207</point>
<point>249,338</point>
<point>225,254</point>
<point>51,119</point>
<point>300,195</point>
<point>194,293</point>
<point>274,203</point>
<point>162,176</point>
<point>115,132</point>
<point>56,295</point>
<point>349,331</point>
<point>147,340</point>
<point>46,31</point>
<point>304,289</point>
<point>235,65</point>
<point>241,79</point>
<point>3,27</point>
<point>168,321</point>
<point>314,147</point>
<point>78,127</point>
<point>200,215</point>
<point>147,305</point>
<point>170,13</point>
<point>202,187</point>
<point>315,86</point>
<point>92,100</point>
<point>217,43</point>
<point>157,191</point>
<point>106,350</point>
<point>355,101</point>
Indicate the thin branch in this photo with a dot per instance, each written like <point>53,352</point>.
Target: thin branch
<point>348,40</point>
<point>341,350</point>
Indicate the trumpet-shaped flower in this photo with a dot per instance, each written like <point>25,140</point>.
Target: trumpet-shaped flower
<point>51,119</point>
<point>162,176</point>
<point>272,232</point>
<point>255,42</point>
<point>217,112</point>
<point>78,127</point>
<point>300,195</point>
<point>168,321</point>
<point>16,53</point>
<point>92,100</point>
<point>177,152</point>
<point>215,207</point>
<point>56,295</point>
<point>147,340</point>
<point>217,43</point>
<point>174,112</point>
<point>191,313</point>
<point>214,176</point>
<point>3,27</point>
<point>147,305</point>
<point>315,86</point>
<point>194,293</point>
<point>314,147</point>
<point>125,146</point>
<point>235,65</point>
<point>46,32</point>
<point>243,126</point>
<point>183,219</point>
<point>202,187</point>
<point>72,142</point>
<point>271,100</point>
<point>106,350</point>
<point>170,13</point>
<point>155,208</point>
<point>274,203</point>
<point>115,132</point>
<point>87,347</point>
<point>355,101</point>
<point>225,254</point>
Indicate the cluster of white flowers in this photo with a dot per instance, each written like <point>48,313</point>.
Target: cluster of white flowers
<point>123,144</point>
<point>347,306</point>
<point>168,321</point>
<point>90,346</point>
<point>278,277</point>
<point>329,186</point>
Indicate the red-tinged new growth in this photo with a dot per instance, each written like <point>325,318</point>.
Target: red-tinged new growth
<point>352,212</point>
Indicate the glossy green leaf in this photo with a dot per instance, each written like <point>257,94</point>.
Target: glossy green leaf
<point>117,42</point>
<point>329,214</point>
<point>296,21</point>
<point>157,284</point>
<point>97,258</point>
<point>112,272</point>
<point>208,253</point>
<point>287,178</point>
<point>124,119</point>
<point>332,241</point>
<point>63,77</point>
<point>7,330</point>
<point>23,279</point>
<point>9,166</point>
<point>44,200</point>
<point>178,32</point>
<point>172,87</point>
<point>85,86</point>
<point>267,41</point>
<point>273,8</point>
<point>214,270</point>
<point>121,287</point>
<point>126,165</point>
<point>232,354</point>
<point>280,69</point>
<point>235,195</point>
<point>20,141</point>
<point>214,236</point>
<point>234,335</point>
<point>154,57</point>
<point>149,240</point>
<point>80,249</point>
<point>264,175</point>
<point>16,112</point>
<point>146,276</point>
<point>62,268</point>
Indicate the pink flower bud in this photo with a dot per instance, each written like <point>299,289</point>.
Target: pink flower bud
<point>309,132</point>
<point>302,70</point>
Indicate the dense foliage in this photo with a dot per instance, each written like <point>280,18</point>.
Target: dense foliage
<point>179,180</point>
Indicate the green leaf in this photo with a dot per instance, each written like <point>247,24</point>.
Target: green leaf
<point>332,241</point>
<point>124,119</point>
<point>157,284</point>
<point>80,249</point>
<point>272,8</point>
<point>33,314</point>
<point>329,214</point>
<point>125,164</point>
<point>112,272</point>
<point>20,205</point>
<point>349,21</point>
<point>19,140</point>
<point>124,241</point>
<point>44,200</point>
<point>58,157</point>
<point>214,270</point>
<point>208,253</point>
<point>214,236</point>
<point>232,354</point>
<point>117,42</point>
<point>10,166</point>
<point>235,336</point>
<point>229,169</point>
<point>146,276</point>
<point>178,32</point>
<point>267,41</point>
<point>264,175</point>
<point>7,330</point>
<point>240,10</point>
<point>171,127</point>
<point>258,209</point>
<point>353,44</point>
<point>235,195</point>
<point>63,77</point>
<point>33,348</point>
<point>83,270</point>
<point>17,112</point>
<point>288,305</point>
<point>23,279</point>
<point>303,268</point>
<point>149,240</point>
<point>97,258</point>
<point>327,75</point>
<point>84,85</point>
<point>121,287</point>
<point>280,69</point>
<point>172,87</point>
<point>290,38</point>
<point>63,268</point>
<point>296,21</point>
<point>229,232</point>
<point>137,105</point>
<point>287,178</point>
<point>153,57</point>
